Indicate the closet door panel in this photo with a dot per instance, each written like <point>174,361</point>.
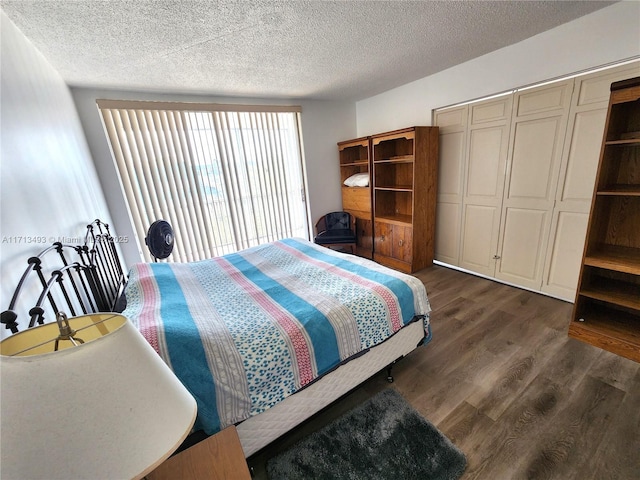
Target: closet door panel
<point>485,174</point>
<point>573,200</point>
<point>450,178</point>
<point>448,232</point>
<point>577,175</point>
<point>478,245</point>
<point>543,100</point>
<point>522,249</point>
<point>484,184</point>
<point>491,110</point>
<point>582,159</point>
<point>535,153</point>
<point>483,199</point>
<point>595,88</point>
<point>453,124</point>
<point>565,250</point>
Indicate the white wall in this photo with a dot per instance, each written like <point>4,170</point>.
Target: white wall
<point>323,124</point>
<point>49,187</point>
<point>605,36</point>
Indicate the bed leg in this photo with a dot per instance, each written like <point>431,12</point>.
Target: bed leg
<point>390,366</point>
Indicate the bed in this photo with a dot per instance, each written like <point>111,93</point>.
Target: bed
<point>266,337</point>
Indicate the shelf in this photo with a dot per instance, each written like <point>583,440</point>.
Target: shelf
<point>619,333</point>
<point>396,159</point>
<point>612,257</point>
<point>404,220</point>
<point>620,190</point>
<point>618,293</point>
<point>395,188</point>
<point>624,142</point>
<point>630,136</point>
<point>358,163</point>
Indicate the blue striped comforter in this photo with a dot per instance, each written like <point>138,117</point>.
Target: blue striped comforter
<point>246,330</point>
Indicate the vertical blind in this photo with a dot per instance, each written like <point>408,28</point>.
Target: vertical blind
<point>226,177</point>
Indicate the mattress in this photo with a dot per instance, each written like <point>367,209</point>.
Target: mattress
<point>257,432</point>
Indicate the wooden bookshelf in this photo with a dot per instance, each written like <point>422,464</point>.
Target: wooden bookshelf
<point>354,158</point>
<point>404,177</point>
<point>607,308</point>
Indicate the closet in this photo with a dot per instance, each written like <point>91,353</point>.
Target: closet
<point>516,173</point>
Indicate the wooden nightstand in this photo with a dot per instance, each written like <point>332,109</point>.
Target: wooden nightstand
<point>218,457</point>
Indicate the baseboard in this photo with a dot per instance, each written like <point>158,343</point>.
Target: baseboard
<point>497,280</point>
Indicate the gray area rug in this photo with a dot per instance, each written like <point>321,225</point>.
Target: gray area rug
<point>384,438</point>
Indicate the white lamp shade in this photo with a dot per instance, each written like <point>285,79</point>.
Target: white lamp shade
<point>107,409</point>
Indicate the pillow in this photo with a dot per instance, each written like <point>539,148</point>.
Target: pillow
<point>357,180</point>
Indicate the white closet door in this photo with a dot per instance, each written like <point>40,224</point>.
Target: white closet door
<point>577,177</point>
<point>535,153</point>
<point>453,124</point>
<point>489,123</point>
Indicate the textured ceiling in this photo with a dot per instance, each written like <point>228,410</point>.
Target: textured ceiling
<point>345,50</point>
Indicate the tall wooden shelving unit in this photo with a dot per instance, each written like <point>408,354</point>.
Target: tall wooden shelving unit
<point>405,164</point>
<point>607,308</point>
<point>355,158</point>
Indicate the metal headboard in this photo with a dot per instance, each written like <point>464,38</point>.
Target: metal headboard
<point>87,278</point>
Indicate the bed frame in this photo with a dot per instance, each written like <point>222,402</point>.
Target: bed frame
<point>75,279</point>
<point>89,278</point>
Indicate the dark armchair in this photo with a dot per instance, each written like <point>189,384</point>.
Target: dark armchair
<point>336,229</point>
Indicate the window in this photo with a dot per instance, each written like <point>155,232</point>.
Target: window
<point>225,177</point>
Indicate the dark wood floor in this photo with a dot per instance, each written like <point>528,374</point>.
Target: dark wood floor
<point>504,382</point>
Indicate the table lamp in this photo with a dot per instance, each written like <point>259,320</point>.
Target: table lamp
<point>102,406</point>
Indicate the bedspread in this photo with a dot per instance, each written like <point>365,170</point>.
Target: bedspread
<point>246,330</point>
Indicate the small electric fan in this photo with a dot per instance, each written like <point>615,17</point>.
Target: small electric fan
<point>159,239</point>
